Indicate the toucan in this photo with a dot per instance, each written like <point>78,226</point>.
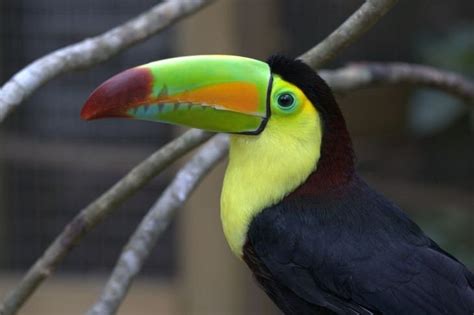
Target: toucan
<point>317,238</point>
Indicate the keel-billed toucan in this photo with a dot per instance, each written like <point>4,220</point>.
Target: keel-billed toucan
<point>318,239</point>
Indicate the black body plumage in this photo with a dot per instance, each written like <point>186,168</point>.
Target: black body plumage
<point>335,246</point>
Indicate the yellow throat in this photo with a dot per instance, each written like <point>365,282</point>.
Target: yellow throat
<point>263,169</point>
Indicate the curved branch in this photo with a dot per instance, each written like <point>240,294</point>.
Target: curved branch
<point>349,31</point>
<point>95,212</point>
<point>155,222</point>
<point>92,50</point>
<point>366,74</point>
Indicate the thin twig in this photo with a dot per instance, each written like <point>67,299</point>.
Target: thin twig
<point>349,31</point>
<point>368,74</point>
<point>155,222</point>
<point>95,212</point>
<point>92,50</point>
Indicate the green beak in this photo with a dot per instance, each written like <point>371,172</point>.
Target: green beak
<point>214,93</point>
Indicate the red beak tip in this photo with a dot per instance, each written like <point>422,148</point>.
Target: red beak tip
<point>114,96</point>
<point>85,115</point>
<point>88,112</point>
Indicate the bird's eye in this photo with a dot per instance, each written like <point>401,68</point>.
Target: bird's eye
<point>286,100</point>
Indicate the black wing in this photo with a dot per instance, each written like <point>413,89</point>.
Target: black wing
<point>356,253</point>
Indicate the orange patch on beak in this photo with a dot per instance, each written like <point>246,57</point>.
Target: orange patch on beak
<point>234,96</point>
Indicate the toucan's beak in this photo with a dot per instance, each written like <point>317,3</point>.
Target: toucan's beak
<point>214,93</point>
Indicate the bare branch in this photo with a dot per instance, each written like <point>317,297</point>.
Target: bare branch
<point>93,50</point>
<point>349,31</point>
<point>366,74</point>
<point>155,222</point>
<point>95,212</point>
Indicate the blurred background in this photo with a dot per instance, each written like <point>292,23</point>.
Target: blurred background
<point>415,146</point>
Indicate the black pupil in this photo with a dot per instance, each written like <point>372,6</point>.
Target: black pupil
<point>285,100</point>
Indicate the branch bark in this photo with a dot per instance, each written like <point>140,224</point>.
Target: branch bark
<point>349,31</point>
<point>95,212</point>
<point>92,50</point>
<point>155,222</point>
<point>368,74</point>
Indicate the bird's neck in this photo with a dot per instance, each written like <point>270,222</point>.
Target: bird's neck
<point>263,169</point>
<point>336,166</point>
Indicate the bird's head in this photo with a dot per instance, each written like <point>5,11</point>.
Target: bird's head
<point>216,93</point>
<point>280,101</point>
<point>282,117</point>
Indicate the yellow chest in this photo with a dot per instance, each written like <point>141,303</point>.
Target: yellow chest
<point>262,170</point>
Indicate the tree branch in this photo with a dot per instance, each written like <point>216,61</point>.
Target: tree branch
<point>95,213</point>
<point>367,74</point>
<point>155,222</point>
<point>92,50</point>
<point>349,31</point>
